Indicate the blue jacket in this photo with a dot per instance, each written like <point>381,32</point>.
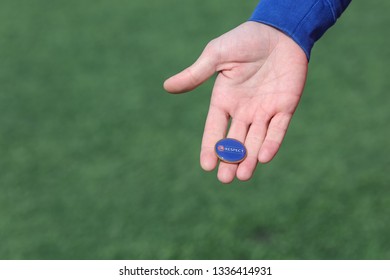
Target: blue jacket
<point>305,21</point>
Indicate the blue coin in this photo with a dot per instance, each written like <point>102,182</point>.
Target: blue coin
<point>230,150</point>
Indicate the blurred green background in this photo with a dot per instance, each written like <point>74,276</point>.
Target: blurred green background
<point>98,162</point>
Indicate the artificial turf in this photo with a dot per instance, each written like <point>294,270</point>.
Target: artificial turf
<point>98,162</point>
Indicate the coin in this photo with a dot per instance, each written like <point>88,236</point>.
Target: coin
<point>230,150</point>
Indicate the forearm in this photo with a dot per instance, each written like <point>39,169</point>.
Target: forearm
<point>305,21</point>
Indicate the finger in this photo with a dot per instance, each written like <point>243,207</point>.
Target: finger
<point>227,171</point>
<point>196,74</point>
<point>253,142</point>
<point>215,129</point>
<point>276,131</point>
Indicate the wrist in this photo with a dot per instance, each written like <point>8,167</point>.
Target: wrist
<point>304,21</point>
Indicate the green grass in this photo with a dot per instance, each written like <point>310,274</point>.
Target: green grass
<point>98,162</point>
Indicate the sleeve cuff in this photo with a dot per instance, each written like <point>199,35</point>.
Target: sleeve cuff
<point>305,21</point>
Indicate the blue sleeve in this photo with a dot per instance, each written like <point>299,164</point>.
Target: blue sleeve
<point>305,21</point>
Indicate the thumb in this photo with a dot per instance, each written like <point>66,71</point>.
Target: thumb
<point>196,74</point>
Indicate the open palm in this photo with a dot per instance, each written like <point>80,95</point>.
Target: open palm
<point>261,76</point>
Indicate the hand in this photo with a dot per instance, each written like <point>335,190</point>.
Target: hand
<point>261,76</point>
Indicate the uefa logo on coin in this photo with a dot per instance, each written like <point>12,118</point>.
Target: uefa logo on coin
<point>221,148</point>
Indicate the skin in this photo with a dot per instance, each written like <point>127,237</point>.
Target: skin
<point>261,77</point>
